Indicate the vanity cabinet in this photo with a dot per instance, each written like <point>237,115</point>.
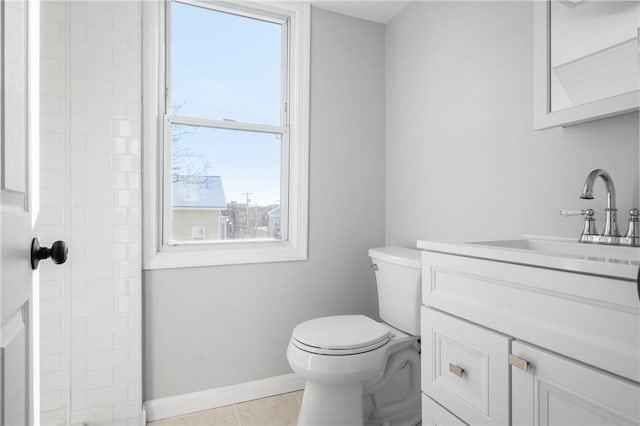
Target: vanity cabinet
<point>485,322</point>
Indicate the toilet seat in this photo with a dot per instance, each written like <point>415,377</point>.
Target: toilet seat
<point>340,335</point>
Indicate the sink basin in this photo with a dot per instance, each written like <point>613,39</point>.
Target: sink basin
<point>549,252</point>
<point>595,252</point>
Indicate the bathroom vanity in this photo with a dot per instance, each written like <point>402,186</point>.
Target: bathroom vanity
<point>530,331</point>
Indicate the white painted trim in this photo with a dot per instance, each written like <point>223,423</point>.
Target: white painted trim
<point>213,398</point>
<point>294,246</point>
<point>543,117</point>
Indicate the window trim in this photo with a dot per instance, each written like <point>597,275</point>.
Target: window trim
<point>159,255</point>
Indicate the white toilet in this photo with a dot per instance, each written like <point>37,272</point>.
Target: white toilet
<point>359,371</point>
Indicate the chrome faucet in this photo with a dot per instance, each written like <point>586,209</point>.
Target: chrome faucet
<point>610,225</point>
<point>610,235</point>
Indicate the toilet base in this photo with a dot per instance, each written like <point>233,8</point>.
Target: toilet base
<point>345,403</point>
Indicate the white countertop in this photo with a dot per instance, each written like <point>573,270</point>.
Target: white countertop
<point>549,252</point>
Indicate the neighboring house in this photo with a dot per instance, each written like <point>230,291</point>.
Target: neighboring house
<point>274,222</point>
<point>198,202</point>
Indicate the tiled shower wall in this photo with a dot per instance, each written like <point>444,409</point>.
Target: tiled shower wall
<point>90,196</point>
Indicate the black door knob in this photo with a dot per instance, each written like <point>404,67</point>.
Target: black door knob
<point>58,253</point>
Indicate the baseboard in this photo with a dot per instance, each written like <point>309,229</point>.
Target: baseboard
<point>178,405</point>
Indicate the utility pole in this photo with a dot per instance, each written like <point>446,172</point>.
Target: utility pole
<point>246,194</point>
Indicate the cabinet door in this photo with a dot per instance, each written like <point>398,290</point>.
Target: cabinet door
<point>465,369</point>
<point>433,414</point>
<point>560,391</point>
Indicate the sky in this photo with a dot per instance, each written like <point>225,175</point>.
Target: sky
<point>227,67</point>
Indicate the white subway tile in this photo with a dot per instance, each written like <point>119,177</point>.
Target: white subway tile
<point>78,326</point>
<point>108,359</point>
<point>135,391</point>
<point>78,109</point>
<point>106,36</point>
<point>78,217</point>
<point>127,339</point>
<point>95,270</point>
<point>78,69</point>
<point>126,234</point>
<point>54,417</point>
<point>54,11</point>
<point>50,345</point>
<point>96,147</point>
<point>51,400</point>
<point>51,215</point>
<point>78,33</point>
<point>78,288</point>
<point>52,197</point>
<point>51,326</point>
<point>93,306</point>
<point>50,382</point>
<point>105,396</point>
<point>51,30</point>
<point>128,410</point>
<point>52,122</point>
<point>104,323</point>
<point>78,143</point>
<point>51,67</point>
<point>51,363</point>
<point>79,400</point>
<point>121,287</point>
<point>127,374</point>
<point>92,416</point>
<point>51,178</point>
<point>122,304</point>
<point>95,342</point>
<point>52,104</point>
<point>100,14</point>
<point>92,379</point>
<point>52,49</point>
<point>91,233</point>
<point>52,308</point>
<point>100,288</point>
<point>49,290</point>
<point>79,363</point>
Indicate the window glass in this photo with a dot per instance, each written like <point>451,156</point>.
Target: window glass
<point>225,66</point>
<point>225,181</point>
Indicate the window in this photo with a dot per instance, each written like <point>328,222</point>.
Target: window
<point>225,105</point>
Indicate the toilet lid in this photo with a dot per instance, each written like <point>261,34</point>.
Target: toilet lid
<point>343,333</point>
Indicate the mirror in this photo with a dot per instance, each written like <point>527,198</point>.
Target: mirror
<point>586,60</point>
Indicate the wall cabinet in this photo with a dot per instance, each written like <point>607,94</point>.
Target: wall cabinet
<point>510,344</point>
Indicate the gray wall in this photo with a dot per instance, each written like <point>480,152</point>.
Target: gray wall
<point>462,160</point>
<point>217,326</point>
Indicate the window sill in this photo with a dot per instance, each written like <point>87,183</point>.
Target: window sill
<point>225,254</point>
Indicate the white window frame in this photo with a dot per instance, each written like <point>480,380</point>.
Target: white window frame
<point>158,252</point>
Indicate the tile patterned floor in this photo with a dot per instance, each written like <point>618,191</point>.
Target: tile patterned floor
<point>279,410</point>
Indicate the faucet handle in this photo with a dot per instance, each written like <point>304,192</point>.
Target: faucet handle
<point>586,212</point>
<point>632,237</point>
<point>589,229</point>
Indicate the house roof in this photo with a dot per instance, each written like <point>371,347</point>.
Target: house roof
<point>203,192</point>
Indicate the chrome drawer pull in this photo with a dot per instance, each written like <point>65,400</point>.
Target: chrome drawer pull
<point>518,362</point>
<point>456,370</point>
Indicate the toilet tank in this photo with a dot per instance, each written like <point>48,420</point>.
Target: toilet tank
<point>398,272</point>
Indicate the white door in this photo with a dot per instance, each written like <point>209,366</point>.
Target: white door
<point>560,391</point>
<point>18,212</point>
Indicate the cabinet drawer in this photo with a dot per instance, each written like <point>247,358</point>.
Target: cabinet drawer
<point>465,368</point>
<point>434,415</point>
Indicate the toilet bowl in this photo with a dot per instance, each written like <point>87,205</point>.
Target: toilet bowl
<point>359,371</point>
